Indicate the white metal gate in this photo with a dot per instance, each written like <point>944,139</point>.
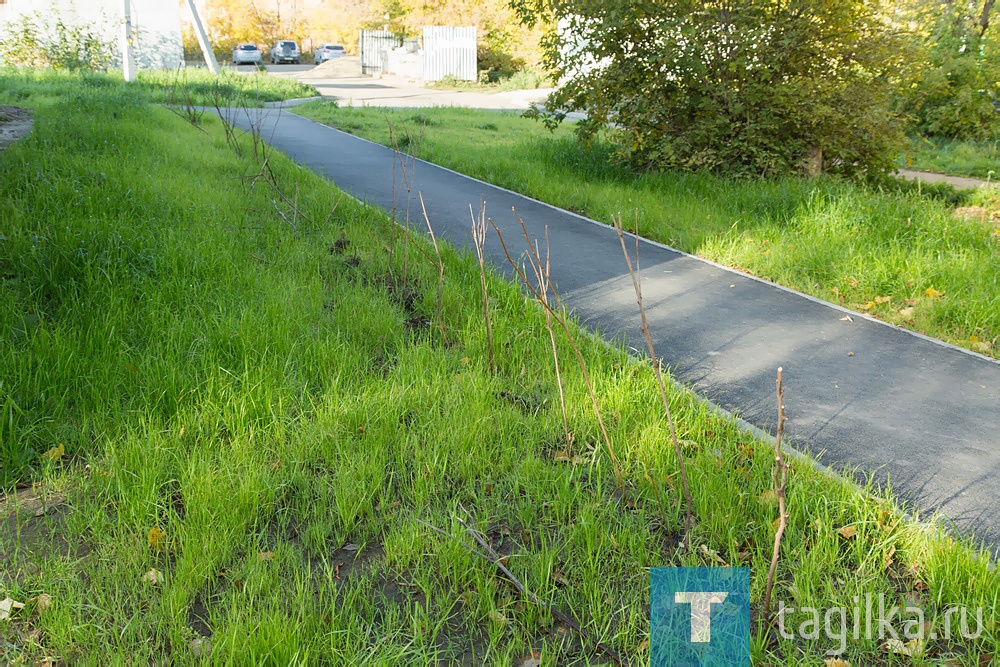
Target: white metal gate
<point>372,46</point>
<point>450,51</point>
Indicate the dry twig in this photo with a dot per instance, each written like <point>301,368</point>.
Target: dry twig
<point>479,241</point>
<point>634,272</point>
<point>780,476</point>
<point>540,268</point>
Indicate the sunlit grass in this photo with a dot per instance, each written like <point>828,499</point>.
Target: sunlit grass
<point>288,415</point>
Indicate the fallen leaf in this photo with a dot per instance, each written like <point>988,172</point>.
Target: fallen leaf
<point>350,547</point>
<point>868,306</point>
<point>156,538</point>
<point>154,577</point>
<point>563,456</point>
<point>850,354</point>
<point>887,561</point>
<point>8,605</point>
<point>42,602</point>
<point>883,299</point>
<point>498,617</point>
<point>835,662</point>
<point>912,302</point>
<point>533,660</point>
<point>933,293</point>
<point>265,556</point>
<point>464,360</point>
<point>713,554</point>
<point>56,452</point>
<point>847,318</point>
<point>847,532</point>
<point>907,313</point>
<point>560,578</point>
<point>913,648</point>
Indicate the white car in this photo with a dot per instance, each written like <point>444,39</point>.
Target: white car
<point>285,51</point>
<point>327,52</point>
<point>247,54</point>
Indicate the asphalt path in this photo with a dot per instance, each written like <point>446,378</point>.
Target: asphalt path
<point>861,395</point>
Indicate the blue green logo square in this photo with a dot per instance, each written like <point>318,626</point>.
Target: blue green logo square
<point>699,616</point>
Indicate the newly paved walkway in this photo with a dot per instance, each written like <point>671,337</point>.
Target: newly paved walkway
<point>921,413</point>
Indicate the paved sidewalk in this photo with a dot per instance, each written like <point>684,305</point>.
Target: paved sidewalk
<point>861,393</point>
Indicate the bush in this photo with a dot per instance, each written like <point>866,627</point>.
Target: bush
<point>36,40</point>
<point>754,90</point>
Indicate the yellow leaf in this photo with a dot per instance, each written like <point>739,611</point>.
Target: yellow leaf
<point>42,602</point>
<point>56,452</point>
<point>154,577</point>
<point>913,648</point>
<point>464,360</point>
<point>835,662</point>
<point>974,339</point>
<point>156,538</point>
<point>847,532</point>
<point>868,306</point>
<point>888,557</point>
<point>883,299</point>
<point>265,556</point>
<point>933,293</point>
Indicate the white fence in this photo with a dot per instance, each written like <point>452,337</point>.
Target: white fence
<point>450,51</point>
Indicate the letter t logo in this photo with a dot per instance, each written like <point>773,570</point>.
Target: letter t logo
<point>701,612</point>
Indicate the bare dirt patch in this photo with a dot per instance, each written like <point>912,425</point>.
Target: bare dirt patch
<point>15,122</point>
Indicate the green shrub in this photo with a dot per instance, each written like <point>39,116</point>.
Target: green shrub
<point>37,40</point>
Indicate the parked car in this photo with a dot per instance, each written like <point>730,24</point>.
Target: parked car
<point>285,51</point>
<point>247,53</point>
<point>327,52</point>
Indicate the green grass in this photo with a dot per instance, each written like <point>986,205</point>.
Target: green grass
<point>286,412</point>
<point>836,241</point>
<point>192,86</point>
<point>978,159</point>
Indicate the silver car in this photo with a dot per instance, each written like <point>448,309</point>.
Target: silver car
<point>328,51</point>
<point>285,51</point>
<point>246,54</point>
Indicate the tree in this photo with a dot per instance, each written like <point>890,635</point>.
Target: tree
<point>751,88</point>
<point>953,92</point>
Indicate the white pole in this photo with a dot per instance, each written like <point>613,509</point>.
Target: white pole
<point>206,47</point>
<point>128,62</point>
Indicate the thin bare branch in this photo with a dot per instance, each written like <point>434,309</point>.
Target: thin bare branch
<point>538,266</point>
<point>440,263</point>
<point>634,272</point>
<point>780,478</point>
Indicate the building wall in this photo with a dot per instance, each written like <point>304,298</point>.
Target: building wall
<point>156,25</point>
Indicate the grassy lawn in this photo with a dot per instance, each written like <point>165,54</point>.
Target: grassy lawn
<point>224,441</point>
<point>898,256</point>
<point>978,159</point>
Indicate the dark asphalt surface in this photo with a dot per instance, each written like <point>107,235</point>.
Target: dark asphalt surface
<point>919,413</point>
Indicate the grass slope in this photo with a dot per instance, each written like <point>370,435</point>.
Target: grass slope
<point>897,256</point>
<point>265,420</point>
<point>978,159</point>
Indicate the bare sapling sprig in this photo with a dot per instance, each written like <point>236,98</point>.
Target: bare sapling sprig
<point>406,167</point>
<point>543,268</point>
<point>479,227</point>
<point>488,553</point>
<point>636,275</point>
<point>440,264</point>
<point>544,286</point>
<point>780,478</point>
